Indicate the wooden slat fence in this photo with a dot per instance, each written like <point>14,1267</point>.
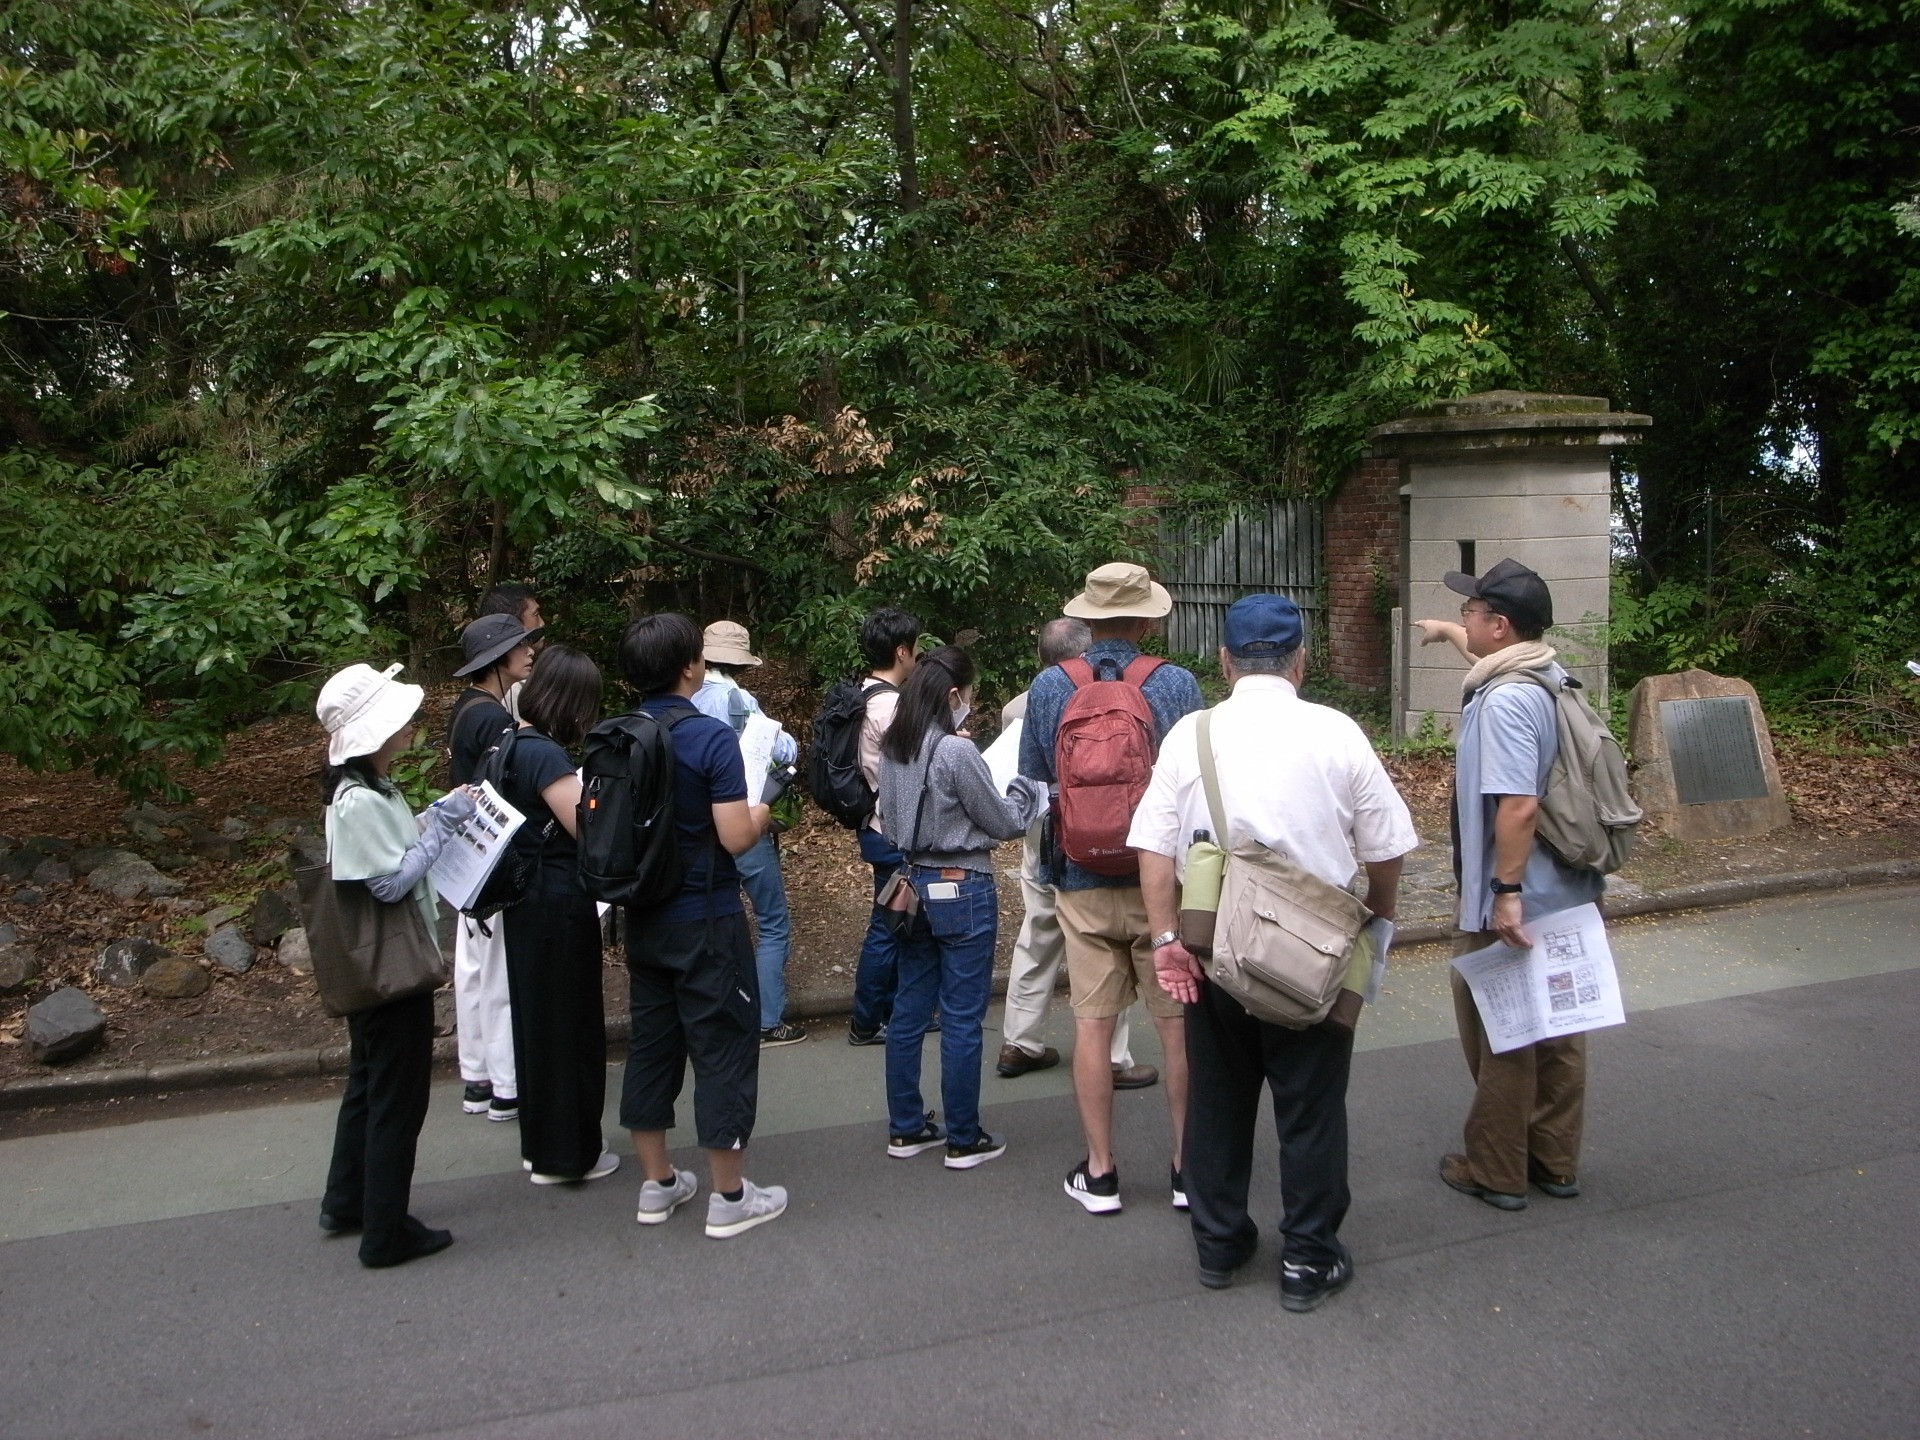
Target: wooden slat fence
<point>1276,547</point>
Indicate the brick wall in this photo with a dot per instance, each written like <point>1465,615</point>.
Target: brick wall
<point>1363,541</point>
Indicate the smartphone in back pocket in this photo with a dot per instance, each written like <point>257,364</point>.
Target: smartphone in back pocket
<point>943,890</point>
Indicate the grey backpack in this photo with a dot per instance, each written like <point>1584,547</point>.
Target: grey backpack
<point>1587,817</point>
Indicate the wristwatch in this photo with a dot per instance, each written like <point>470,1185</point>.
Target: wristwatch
<point>1503,889</point>
<point>1167,938</point>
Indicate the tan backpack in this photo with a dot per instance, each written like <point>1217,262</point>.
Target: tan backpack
<point>1587,817</point>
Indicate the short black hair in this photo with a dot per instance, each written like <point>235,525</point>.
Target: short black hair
<point>656,650</point>
<point>507,599</point>
<point>1521,628</point>
<point>884,632</point>
<point>562,696</point>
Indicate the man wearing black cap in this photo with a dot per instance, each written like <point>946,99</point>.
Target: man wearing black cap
<point>1304,780</point>
<point>499,655</point>
<point>1524,1124</point>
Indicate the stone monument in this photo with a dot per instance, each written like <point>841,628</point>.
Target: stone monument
<point>1703,766</point>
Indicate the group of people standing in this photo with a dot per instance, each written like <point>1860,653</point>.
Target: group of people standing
<point>1304,781</point>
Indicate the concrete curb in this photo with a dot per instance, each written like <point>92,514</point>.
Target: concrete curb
<point>123,1081</point>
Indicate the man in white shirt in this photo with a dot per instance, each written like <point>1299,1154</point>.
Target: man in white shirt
<point>728,651</point>
<point>1301,779</point>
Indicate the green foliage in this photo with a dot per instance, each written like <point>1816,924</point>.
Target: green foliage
<point>317,320</point>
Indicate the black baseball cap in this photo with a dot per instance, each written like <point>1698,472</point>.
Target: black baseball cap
<point>1510,589</point>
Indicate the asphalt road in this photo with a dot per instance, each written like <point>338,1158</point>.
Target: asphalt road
<point>1742,1262</point>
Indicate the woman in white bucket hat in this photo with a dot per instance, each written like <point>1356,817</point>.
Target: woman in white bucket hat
<point>372,837</point>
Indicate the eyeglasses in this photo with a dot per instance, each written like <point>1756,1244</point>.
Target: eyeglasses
<point>1471,609</point>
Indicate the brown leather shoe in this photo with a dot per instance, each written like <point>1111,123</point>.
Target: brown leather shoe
<point>1015,1062</point>
<point>1134,1077</point>
<point>1455,1171</point>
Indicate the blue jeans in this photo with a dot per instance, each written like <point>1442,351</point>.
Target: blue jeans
<point>948,957</point>
<point>878,973</point>
<point>760,878</point>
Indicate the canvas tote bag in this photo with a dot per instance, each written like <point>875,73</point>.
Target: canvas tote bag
<point>1283,937</point>
<point>365,952</point>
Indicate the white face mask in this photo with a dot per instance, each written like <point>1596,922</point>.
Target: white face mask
<point>960,713</point>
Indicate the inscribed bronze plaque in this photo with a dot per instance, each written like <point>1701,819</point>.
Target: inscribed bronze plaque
<point>1714,750</point>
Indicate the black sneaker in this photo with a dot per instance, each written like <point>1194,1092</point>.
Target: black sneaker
<point>1100,1194</point>
<point>474,1098</point>
<point>875,1036</point>
<point>986,1147</point>
<point>1179,1191</point>
<point>782,1034</point>
<point>503,1108</point>
<point>1303,1286</point>
<point>905,1147</point>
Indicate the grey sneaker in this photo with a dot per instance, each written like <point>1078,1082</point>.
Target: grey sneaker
<point>756,1206</point>
<point>658,1202</point>
<point>603,1167</point>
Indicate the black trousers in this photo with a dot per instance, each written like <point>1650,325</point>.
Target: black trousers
<point>1229,1056</point>
<point>694,995</point>
<point>559,1029</point>
<point>389,1070</point>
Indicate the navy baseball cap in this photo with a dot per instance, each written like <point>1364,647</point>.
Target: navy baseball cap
<point>1510,589</point>
<point>1263,625</point>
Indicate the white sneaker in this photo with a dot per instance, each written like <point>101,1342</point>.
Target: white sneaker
<point>658,1202</point>
<point>755,1206</point>
<point>603,1167</point>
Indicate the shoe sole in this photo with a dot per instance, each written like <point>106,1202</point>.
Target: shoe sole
<point>1558,1192</point>
<point>1497,1199</point>
<point>1136,1084</point>
<point>1301,1304</point>
<point>1014,1072</point>
<point>500,1117</point>
<point>1094,1204</point>
<point>858,1041</point>
<point>725,1232</point>
<point>475,1107</point>
<point>766,1044</point>
<point>660,1217</point>
<point>1180,1201</point>
<point>971,1158</point>
<point>596,1173</point>
<point>919,1147</point>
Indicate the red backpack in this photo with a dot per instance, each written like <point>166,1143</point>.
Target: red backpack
<point>1102,758</point>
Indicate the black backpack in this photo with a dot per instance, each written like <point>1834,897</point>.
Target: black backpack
<point>514,871</point>
<point>834,777</point>
<point>629,854</point>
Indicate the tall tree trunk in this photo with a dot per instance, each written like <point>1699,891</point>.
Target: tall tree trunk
<point>497,550</point>
<point>904,143</point>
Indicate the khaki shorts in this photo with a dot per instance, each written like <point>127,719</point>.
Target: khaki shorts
<point>1109,962</point>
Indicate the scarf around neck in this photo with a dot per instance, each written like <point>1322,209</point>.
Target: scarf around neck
<point>1521,655</point>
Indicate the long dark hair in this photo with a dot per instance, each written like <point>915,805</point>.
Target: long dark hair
<point>562,697</point>
<point>923,702</point>
<point>354,767</point>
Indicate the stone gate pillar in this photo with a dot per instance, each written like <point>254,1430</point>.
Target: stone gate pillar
<point>1506,472</point>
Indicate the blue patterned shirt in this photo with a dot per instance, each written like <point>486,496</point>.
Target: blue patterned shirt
<point>1170,693</point>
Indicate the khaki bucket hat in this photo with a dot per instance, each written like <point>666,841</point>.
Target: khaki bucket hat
<point>1120,591</point>
<point>724,642</point>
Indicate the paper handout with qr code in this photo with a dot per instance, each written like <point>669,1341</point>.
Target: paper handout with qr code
<point>1563,985</point>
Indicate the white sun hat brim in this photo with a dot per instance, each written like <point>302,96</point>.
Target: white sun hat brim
<point>372,713</point>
